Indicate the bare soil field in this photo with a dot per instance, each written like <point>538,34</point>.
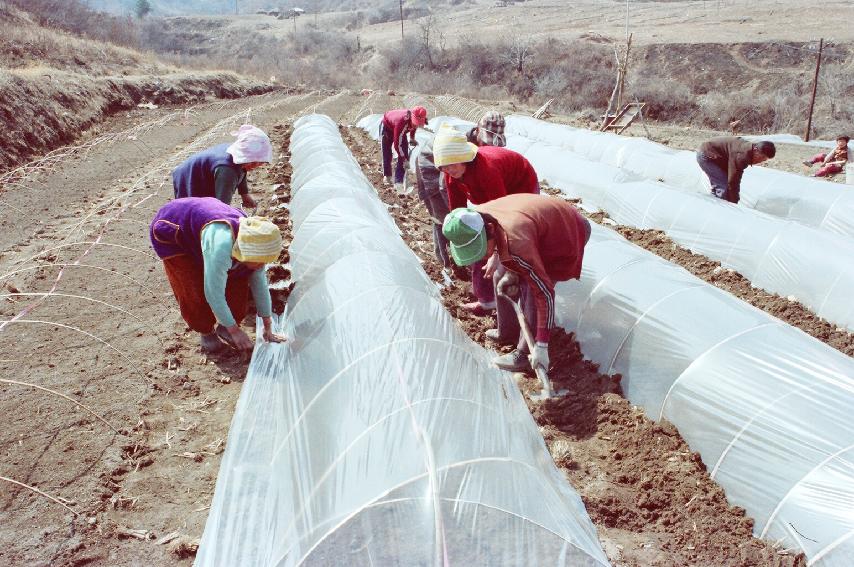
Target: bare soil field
<point>134,489</point>
<point>109,337</point>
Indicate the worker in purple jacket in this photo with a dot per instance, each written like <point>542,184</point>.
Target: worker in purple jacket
<point>214,255</point>
<point>220,170</point>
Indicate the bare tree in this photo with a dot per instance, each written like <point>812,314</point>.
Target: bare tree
<point>431,37</point>
<point>518,51</point>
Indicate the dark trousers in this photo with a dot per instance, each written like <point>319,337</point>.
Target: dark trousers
<point>717,176</point>
<point>387,142</point>
<point>505,314</point>
<point>436,201</point>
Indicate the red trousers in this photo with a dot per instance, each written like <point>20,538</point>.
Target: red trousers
<point>825,169</point>
<point>187,279</point>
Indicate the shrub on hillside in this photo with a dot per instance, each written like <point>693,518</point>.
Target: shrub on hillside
<point>755,112</point>
<point>76,17</point>
<point>665,100</point>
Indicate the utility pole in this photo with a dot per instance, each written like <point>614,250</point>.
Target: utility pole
<point>814,88</point>
<point>627,20</point>
<point>236,11</point>
<point>401,20</point>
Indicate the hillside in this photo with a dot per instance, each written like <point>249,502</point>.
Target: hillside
<point>54,85</point>
<point>754,67</point>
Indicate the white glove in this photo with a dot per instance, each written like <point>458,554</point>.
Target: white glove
<point>508,285</point>
<point>540,356</point>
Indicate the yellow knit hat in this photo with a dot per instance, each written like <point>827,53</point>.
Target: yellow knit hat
<point>258,241</point>
<point>451,146</point>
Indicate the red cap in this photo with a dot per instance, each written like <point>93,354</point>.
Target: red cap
<point>419,116</point>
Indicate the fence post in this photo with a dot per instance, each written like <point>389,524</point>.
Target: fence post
<point>814,88</point>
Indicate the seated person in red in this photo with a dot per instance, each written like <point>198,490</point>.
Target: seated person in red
<point>833,161</point>
<point>479,175</point>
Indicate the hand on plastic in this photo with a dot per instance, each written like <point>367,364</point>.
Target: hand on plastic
<point>249,201</point>
<point>508,285</point>
<point>491,266</point>
<point>268,335</point>
<point>413,142</point>
<point>271,337</point>
<point>540,356</point>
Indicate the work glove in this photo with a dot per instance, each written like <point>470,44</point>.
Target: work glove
<point>508,284</point>
<point>540,356</point>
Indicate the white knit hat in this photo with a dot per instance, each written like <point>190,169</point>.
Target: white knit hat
<point>252,145</point>
<point>451,146</point>
<point>258,240</point>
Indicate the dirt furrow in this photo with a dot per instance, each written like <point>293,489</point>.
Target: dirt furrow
<point>649,495</point>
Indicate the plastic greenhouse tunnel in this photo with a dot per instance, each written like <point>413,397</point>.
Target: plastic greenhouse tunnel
<point>346,444</point>
<point>820,204</point>
<point>767,406</point>
<point>778,255</point>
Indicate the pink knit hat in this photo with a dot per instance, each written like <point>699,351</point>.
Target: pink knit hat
<point>252,145</point>
<point>419,116</point>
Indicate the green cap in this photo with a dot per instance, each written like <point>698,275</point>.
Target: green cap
<point>464,229</point>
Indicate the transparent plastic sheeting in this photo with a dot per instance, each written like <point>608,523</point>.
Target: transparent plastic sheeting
<point>768,407</point>
<point>785,257</point>
<point>813,202</point>
<point>380,434</point>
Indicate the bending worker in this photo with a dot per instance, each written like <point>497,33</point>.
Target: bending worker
<point>479,175</point>
<point>724,160</point>
<point>539,240</point>
<point>434,197</point>
<point>213,255</point>
<point>220,170</point>
<point>395,126</point>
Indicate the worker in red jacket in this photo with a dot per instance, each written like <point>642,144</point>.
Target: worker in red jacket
<point>539,240</point>
<point>396,125</point>
<point>480,174</point>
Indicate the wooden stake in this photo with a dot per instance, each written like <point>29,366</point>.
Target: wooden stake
<point>37,491</point>
<point>615,103</point>
<point>401,21</point>
<point>624,70</point>
<point>814,89</point>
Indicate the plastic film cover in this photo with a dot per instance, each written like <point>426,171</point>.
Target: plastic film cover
<point>346,444</point>
<point>767,406</point>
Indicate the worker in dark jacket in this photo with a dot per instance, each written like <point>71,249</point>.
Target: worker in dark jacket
<point>220,170</point>
<point>539,240</point>
<point>432,194</point>
<point>724,160</point>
